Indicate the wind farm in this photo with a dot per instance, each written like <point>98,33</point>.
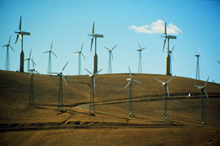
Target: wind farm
<point>112,105</point>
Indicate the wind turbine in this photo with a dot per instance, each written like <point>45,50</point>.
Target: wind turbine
<point>95,57</point>
<point>31,95</point>
<point>110,59</point>
<point>92,98</point>
<point>49,69</point>
<point>167,37</point>
<point>202,106</point>
<point>197,65</point>
<point>21,34</point>
<point>170,52</point>
<point>29,59</point>
<point>140,57</point>
<point>60,95</point>
<point>80,52</point>
<point>7,62</point>
<point>130,104</point>
<point>166,93</point>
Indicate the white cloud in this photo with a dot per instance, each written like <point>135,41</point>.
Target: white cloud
<point>156,27</point>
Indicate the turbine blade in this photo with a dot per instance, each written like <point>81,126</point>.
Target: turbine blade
<point>198,86</point>
<point>64,66</point>
<point>30,53</point>
<point>82,46</point>
<point>164,42</point>
<point>98,71</point>
<point>17,38</point>
<point>30,75</point>
<point>143,48</point>
<point>12,48</point>
<point>165,29</point>
<point>137,81</point>
<point>64,79</point>
<point>91,44</point>
<point>206,81</point>
<point>87,71</point>
<point>206,95</point>
<point>218,61</point>
<point>172,56</point>
<point>107,49</point>
<point>167,90</point>
<point>128,84</point>
<point>5,45</point>
<point>170,79</point>
<point>93,28</point>
<point>158,80</point>
<point>129,71</point>
<point>9,40</point>
<point>46,52</point>
<point>37,72</point>
<point>139,46</point>
<point>114,47</point>
<point>51,45</point>
<point>54,54</point>
<point>20,23</point>
<point>20,35</point>
<point>77,52</point>
<point>84,56</point>
<point>173,48</point>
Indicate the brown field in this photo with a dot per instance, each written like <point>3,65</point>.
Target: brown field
<point>110,125</point>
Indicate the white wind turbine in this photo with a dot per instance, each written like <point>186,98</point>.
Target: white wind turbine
<point>130,104</point>
<point>140,58</point>
<point>80,66</point>
<point>95,57</point>
<point>49,69</point>
<point>167,37</point>
<point>29,59</point>
<point>110,59</point>
<point>166,93</point>
<point>60,95</point>
<point>21,34</point>
<point>7,62</point>
<point>202,106</point>
<point>92,97</point>
<point>31,95</point>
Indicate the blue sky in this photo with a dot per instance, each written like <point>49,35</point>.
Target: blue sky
<point>124,23</point>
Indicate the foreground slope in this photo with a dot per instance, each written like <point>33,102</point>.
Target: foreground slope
<point>110,97</point>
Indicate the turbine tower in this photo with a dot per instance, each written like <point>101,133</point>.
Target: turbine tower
<point>170,53</point>
<point>31,95</point>
<point>130,104</point>
<point>202,106</point>
<point>80,67</point>
<point>95,57</point>
<point>7,61</point>
<point>140,57</point>
<point>60,95</point>
<point>167,37</point>
<point>197,66</point>
<point>110,59</point>
<point>29,59</point>
<point>166,93</point>
<point>92,97</point>
<point>49,69</point>
<point>21,34</point>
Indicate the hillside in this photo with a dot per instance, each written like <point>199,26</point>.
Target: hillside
<point>111,104</point>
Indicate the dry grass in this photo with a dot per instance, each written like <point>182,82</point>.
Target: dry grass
<point>111,125</point>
